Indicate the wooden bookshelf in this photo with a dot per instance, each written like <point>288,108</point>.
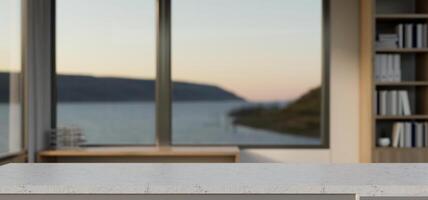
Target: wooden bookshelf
<point>403,118</point>
<point>402,17</point>
<point>421,50</point>
<point>403,84</point>
<point>400,155</point>
<point>382,16</point>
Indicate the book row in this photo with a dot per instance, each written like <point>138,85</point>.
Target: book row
<point>409,134</point>
<point>392,103</point>
<point>388,68</point>
<point>409,35</point>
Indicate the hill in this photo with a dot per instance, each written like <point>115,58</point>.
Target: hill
<point>299,117</point>
<point>72,88</point>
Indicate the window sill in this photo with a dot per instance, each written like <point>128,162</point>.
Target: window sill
<point>142,154</point>
<point>11,157</point>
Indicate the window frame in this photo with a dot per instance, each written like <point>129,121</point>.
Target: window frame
<point>163,88</point>
<point>5,157</point>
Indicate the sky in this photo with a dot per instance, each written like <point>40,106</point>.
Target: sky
<point>262,50</point>
<point>10,32</point>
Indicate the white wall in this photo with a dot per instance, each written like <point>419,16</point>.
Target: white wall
<point>344,101</point>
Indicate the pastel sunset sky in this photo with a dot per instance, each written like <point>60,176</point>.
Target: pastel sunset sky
<point>263,50</point>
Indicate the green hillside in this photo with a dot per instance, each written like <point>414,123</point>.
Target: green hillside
<point>299,117</point>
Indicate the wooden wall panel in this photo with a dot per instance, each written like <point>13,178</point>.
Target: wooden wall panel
<point>366,81</point>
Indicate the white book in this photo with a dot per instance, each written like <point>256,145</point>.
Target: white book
<point>419,33</point>
<point>382,103</point>
<point>405,102</point>
<point>376,103</point>
<point>390,68</point>
<point>408,135</point>
<point>386,44</point>
<point>388,103</point>
<point>400,31</point>
<point>426,134</point>
<point>419,135</point>
<point>397,131</point>
<point>408,36</point>
<point>384,67</point>
<point>425,35</point>
<point>400,103</point>
<point>378,65</point>
<point>388,36</point>
<point>394,102</point>
<point>397,67</point>
<point>402,135</point>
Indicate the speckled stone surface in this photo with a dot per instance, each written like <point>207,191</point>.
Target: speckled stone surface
<point>363,180</point>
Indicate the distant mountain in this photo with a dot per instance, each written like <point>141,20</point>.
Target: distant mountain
<point>72,88</point>
<point>302,117</point>
<point>4,87</point>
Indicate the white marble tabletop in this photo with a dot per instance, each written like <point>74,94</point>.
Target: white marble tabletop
<point>363,180</point>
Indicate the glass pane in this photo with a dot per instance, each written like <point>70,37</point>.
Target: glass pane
<point>106,69</point>
<point>10,76</point>
<point>247,72</point>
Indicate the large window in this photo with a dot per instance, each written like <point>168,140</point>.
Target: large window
<point>106,69</point>
<point>243,72</point>
<point>10,77</point>
<point>247,72</point>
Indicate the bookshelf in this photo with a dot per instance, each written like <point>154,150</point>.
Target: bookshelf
<point>405,50</point>
<point>411,117</point>
<point>401,16</point>
<point>403,84</point>
<point>380,28</point>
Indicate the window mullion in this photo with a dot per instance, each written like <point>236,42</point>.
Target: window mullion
<point>163,77</point>
<point>38,62</point>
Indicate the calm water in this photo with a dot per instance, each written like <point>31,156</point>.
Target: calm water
<point>4,127</point>
<point>133,123</point>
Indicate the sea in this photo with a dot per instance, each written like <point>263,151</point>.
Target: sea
<point>133,123</point>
